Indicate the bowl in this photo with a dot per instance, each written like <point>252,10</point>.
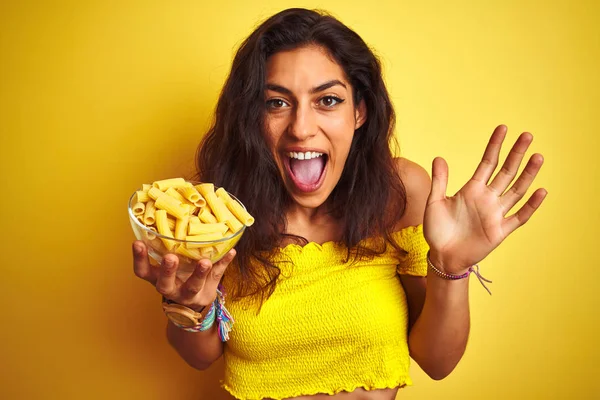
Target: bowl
<point>159,245</point>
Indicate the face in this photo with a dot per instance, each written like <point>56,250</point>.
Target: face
<point>310,121</point>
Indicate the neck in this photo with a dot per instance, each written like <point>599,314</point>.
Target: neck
<point>313,224</point>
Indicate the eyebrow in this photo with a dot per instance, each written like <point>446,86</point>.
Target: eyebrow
<point>317,89</point>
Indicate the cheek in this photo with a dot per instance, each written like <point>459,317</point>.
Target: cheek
<point>340,131</point>
<point>270,134</point>
<point>274,128</point>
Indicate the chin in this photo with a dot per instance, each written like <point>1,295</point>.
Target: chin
<point>309,201</point>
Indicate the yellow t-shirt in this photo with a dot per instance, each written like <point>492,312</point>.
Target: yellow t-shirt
<point>329,326</point>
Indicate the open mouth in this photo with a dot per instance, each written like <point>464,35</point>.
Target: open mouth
<point>306,170</point>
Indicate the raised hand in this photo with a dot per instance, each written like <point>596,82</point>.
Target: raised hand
<point>198,291</point>
<point>463,229</point>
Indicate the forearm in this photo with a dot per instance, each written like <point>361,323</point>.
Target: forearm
<point>198,349</point>
<point>438,338</point>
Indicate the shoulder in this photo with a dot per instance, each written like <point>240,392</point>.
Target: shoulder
<point>417,184</point>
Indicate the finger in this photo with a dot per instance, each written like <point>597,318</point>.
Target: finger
<point>196,281</point>
<point>511,166</point>
<point>141,263</point>
<point>522,216</point>
<point>439,180</point>
<point>489,162</point>
<point>166,282</point>
<point>523,182</point>
<point>217,271</point>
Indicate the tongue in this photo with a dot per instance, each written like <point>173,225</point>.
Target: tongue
<point>307,172</point>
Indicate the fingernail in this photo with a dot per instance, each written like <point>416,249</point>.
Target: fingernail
<point>138,249</point>
<point>168,262</point>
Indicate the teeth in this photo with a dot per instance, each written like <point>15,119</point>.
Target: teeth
<point>304,156</point>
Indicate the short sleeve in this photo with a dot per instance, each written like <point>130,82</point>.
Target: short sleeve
<point>411,240</point>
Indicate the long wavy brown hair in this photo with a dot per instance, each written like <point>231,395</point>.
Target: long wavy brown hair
<point>368,200</point>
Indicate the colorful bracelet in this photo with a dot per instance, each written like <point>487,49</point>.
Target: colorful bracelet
<point>218,312</point>
<point>474,269</point>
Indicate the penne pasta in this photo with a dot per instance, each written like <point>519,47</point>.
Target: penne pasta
<point>218,208</point>
<point>138,208</point>
<point>207,252</point>
<point>204,186</point>
<point>181,227</point>
<point>170,183</point>
<point>149,213</point>
<point>162,225</point>
<point>221,247</point>
<point>155,193</point>
<point>199,228</point>
<point>171,205</point>
<point>142,196</point>
<point>188,218</point>
<point>172,222</point>
<point>190,193</point>
<point>206,217</point>
<point>194,254</point>
<point>236,208</point>
<point>233,223</point>
<point>206,237</point>
<point>175,194</point>
<point>151,235</point>
<point>200,203</point>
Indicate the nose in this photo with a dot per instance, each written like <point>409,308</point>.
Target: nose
<point>304,123</point>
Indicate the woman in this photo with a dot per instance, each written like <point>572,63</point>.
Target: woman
<point>329,289</point>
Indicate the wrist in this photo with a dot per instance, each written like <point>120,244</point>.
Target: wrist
<point>195,308</point>
<point>446,264</point>
<point>451,274</point>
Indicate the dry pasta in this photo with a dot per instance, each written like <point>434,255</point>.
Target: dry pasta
<point>218,207</point>
<point>181,228</point>
<point>192,195</point>
<point>149,213</point>
<point>171,222</point>
<point>206,217</point>
<point>171,205</point>
<point>138,208</point>
<point>168,183</point>
<point>236,208</point>
<point>188,218</point>
<point>163,228</point>
<point>142,196</point>
<point>174,193</point>
<point>200,228</point>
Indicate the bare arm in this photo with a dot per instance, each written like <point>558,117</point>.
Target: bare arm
<point>438,337</point>
<point>462,230</point>
<point>198,349</point>
<point>438,309</point>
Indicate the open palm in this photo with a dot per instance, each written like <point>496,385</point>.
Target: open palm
<point>463,229</point>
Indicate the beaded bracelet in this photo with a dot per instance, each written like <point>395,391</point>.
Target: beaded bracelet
<point>474,269</point>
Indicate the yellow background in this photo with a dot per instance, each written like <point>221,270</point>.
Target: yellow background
<point>98,97</point>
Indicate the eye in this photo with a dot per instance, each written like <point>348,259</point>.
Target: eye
<point>276,103</point>
<point>330,101</point>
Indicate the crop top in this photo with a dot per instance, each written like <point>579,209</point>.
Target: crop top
<point>329,326</point>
